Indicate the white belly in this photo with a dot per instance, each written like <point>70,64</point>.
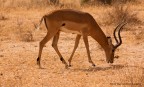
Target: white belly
<point>63,29</point>
<point>73,27</point>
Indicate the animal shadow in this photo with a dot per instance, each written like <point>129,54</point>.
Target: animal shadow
<point>101,68</point>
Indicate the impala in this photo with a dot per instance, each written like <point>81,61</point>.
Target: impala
<point>82,24</point>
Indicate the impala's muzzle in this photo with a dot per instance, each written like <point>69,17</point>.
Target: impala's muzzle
<point>110,61</point>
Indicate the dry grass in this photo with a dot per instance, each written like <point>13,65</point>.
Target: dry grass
<point>19,48</point>
<point>23,34</point>
<point>119,13</point>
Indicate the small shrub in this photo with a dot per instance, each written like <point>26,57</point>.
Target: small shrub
<point>139,34</point>
<point>54,2</point>
<point>124,1</point>
<point>106,1</point>
<point>23,34</point>
<point>122,13</point>
<point>27,36</point>
<point>84,1</point>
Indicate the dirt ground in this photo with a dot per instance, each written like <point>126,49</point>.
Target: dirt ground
<point>18,66</point>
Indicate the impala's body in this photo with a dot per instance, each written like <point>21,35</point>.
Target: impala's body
<point>72,20</point>
<point>80,23</point>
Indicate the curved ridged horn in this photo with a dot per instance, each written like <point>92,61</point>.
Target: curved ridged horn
<point>119,28</point>
<point>114,33</point>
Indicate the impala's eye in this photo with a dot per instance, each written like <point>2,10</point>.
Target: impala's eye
<point>113,50</point>
<point>108,37</point>
<point>63,24</point>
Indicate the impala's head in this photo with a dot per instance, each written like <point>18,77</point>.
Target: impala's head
<point>111,48</point>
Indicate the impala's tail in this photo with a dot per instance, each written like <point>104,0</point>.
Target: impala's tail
<point>37,27</point>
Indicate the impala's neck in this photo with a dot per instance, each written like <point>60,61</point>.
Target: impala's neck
<point>101,38</point>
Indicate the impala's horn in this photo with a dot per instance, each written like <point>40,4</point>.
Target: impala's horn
<point>118,28</point>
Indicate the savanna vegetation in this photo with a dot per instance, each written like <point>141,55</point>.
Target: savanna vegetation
<point>19,44</point>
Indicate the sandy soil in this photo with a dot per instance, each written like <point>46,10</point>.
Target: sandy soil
<point>18,66</point>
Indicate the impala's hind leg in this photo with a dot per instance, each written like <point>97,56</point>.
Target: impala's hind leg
<point>41,45</point>
<point>54,45</point>
<point>75,47</point>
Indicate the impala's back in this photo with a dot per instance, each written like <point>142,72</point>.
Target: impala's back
<point>71,21</point>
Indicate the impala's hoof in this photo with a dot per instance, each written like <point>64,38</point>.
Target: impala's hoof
<point>116,57</point>
<point>38,61</point>
<point>41,67</point>
<point>66,67</point>
<point>70,65</point>
<point>93,65</point>
<point>63,61</point>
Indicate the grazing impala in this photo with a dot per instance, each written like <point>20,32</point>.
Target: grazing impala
<point>82,24</point>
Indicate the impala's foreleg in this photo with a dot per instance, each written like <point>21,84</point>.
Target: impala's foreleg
<point>54,45</point>
<point>85,38</point>
<point>75,47</point>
